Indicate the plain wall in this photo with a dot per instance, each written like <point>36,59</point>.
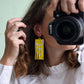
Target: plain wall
<point>10,9</point>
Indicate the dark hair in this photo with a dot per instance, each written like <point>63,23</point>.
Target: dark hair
<point>25,64</point>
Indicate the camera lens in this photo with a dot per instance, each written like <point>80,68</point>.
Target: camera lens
<point>66,30</point>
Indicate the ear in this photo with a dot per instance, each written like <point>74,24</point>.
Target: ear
<point>37,30</point>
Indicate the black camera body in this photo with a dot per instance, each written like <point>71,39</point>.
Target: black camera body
<point>67,29</point>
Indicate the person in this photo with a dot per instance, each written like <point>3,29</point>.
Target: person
<point>62,64</point>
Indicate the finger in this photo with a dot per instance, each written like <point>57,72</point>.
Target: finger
<point>72,7</point>
<point>81,5</point>
<point>21,34</point>
<point>21,42</point>
<point>64,6</point>
<point>17,25</point>
<point>55,2</point>
<point>10,22</point>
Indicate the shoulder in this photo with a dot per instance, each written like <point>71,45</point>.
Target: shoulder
<point>81,54</point>
<point>81,47</point>
<point>80,70</point>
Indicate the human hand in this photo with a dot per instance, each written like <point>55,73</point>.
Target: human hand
<point>68,6</point>
<point>12,41</point>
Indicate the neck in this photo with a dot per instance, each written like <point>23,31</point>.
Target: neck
<point>54,56</point>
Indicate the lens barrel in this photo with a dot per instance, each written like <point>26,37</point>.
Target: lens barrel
<point>67,30</point>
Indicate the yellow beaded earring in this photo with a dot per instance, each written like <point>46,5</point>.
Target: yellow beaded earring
<point>39,49</point>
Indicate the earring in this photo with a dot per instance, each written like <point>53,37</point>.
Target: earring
<point>39,49</point>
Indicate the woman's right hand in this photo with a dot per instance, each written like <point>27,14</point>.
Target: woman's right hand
<point>12,41</point>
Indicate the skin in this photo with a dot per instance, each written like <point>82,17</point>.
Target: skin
<point>55,51</point>
<point>68,6</point>
<point>12,41</point>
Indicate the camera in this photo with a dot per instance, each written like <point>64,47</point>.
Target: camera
<point>67,29</point>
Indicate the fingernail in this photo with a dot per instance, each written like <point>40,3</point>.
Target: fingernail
<point>20,19</point>
<point>68,13</point>
<point>77,11</point>
<point>25,25</point>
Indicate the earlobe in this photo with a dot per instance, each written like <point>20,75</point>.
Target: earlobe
<point>37,30</point>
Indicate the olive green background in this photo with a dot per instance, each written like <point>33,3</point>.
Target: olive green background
<point>10,9</point>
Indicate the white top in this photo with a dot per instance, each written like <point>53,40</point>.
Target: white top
<point>59,74</point>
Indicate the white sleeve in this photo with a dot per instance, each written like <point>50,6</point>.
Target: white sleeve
<point>80,71</point>
<point>81,57</point>
<point>7,75</point>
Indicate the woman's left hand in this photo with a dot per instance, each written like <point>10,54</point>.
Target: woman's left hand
<point>68,6</point>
